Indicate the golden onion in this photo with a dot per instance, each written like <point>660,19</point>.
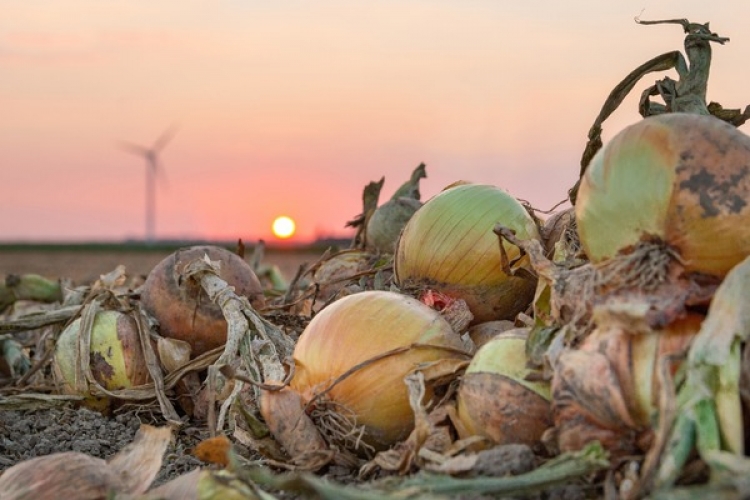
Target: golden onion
<point>356,329</point>
<point>449,245</point>
<point>496,401</point>
<point>681,178</point>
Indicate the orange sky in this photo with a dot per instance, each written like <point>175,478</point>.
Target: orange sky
<point>291,107</point>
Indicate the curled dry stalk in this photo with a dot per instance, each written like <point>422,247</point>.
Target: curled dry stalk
<point>686,95</point>
<point>575,290</point>
<point>262,348</point>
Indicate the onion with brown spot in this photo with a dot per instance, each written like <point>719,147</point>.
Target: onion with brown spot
<point>681,178</point>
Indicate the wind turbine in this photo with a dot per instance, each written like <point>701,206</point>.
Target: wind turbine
<point>151,155</point>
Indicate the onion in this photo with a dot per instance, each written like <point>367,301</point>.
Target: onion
<point>116,361</point>
<point>449,245</point>
<point>481,333</point>
<point>496,401</point>
<point>387,222</point>
<point>609,388</point>
<point>355,330</point>
<point>681,178</point>
<point>337,272</point>
<point>183,309</point>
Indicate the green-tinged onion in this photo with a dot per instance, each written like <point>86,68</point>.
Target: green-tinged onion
<point>372,340</point>
<point>116,360</point>
<point>496,400</point>
<point>387,222</point>
<point>683,179</point>
<point>449,245</point>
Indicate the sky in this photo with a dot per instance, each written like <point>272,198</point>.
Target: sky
<point>291,107</point>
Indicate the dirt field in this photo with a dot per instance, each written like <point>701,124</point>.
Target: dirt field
<point>83,266</point>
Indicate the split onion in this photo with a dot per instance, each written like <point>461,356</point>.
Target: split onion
<point>381,337</point>
<point>681,178</point>
<point>449,245</point>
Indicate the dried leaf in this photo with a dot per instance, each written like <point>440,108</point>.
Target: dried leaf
<point>213,450</point>
<point>139,462</point>
<point>76,475</point>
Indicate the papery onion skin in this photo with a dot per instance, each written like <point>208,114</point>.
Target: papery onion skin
<point>358,328</point>
<point>449,245</point>
<point>682,178</point>
<point>496,401</point>
<point>607,390</point>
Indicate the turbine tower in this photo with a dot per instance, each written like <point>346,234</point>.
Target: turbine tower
<point>153,168</point>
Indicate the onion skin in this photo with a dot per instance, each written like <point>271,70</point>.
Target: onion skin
<point>358,328</point>
<point>682,178</point>
<point>287,421</point>
<point>183,309</point>
<point>116,360</point>
<point>496,402</point>
<point>607,390</point>
<point>449,245</point>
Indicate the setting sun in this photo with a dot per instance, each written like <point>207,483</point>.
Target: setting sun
<point>283,227</point>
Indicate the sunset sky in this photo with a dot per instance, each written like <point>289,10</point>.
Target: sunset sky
<point>291,107</point>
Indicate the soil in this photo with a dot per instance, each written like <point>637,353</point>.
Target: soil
<point>84,266</point>
<point>29,434</point>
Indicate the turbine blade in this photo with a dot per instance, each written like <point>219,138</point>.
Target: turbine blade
<point>164,138</point>
<point>135,149</point>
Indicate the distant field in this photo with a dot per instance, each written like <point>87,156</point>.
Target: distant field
<point>85,262</point>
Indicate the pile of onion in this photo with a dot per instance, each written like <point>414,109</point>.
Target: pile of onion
<point>353,356</point>
<point>683,179</point>
<point>183,309</point>
<point>449,245</point>
<point>497,401</point>
<point>116,358</point>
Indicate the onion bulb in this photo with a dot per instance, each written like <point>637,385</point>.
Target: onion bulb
<point>387,222</point>
<point>336,273</point>
<point>116,360</point>
<point>183,309</point>
<point>608,389</point>
<point>352,333</point>
<point>449,245</point>
<point>681,178</point>
<point>496,401</point>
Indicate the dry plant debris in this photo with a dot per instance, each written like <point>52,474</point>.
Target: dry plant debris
<point>207,426</point>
